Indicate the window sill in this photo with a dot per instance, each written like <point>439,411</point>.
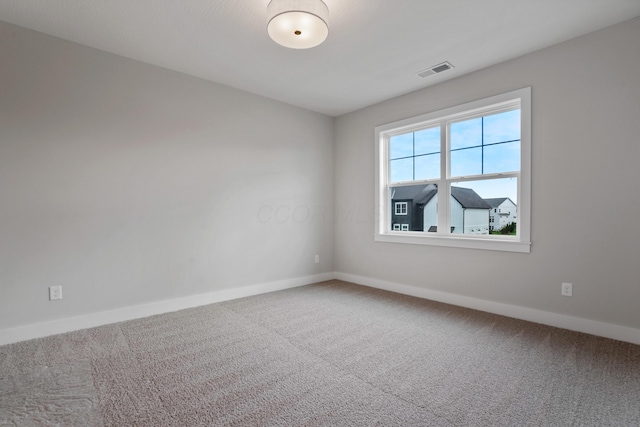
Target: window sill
<point>457,242</point>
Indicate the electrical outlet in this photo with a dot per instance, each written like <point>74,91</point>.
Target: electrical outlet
<point>317,259</point>
<point>55,292</point>
<point>567,289</point>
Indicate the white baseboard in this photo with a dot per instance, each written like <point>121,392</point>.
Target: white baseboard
<point>38,330</point>
<point>607,330</point>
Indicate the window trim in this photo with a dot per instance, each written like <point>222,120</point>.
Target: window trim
<point>400,205</point>
<point>520,243</point>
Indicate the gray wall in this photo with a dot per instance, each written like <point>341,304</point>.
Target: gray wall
<point>585,154</point>
<point>127,183</point>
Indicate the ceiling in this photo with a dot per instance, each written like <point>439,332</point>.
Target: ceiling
<point>374,50</point>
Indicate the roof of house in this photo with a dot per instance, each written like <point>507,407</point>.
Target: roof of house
<point>421,194</point>
<point>468,198</point>
<point>494,203</point>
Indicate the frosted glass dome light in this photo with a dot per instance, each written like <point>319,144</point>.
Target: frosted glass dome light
<point>298,24</point>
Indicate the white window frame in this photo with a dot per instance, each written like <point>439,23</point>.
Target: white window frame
<point>404,227</point>
<point>400,205</point>
<point>383,133</point>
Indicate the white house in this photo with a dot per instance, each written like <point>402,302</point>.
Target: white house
<point>469,213</point>
<point>503,212</point>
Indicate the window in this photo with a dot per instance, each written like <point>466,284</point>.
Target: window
<point>452,165</point>
<point>401,208</point>
<point>405,227</point>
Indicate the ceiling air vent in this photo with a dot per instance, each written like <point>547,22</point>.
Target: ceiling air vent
<point>435,69</point>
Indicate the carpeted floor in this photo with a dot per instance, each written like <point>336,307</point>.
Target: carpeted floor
<point>332,353</point>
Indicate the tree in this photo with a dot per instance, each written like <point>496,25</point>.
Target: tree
<point>508,229</point>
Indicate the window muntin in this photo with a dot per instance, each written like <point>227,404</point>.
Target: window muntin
<point>486,144</point>
<point>415,155</point>
<point>487,151</point>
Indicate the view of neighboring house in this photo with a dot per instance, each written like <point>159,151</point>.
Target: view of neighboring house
<point>408,206</point>
<point>414,208</point>
<point>503,212</point>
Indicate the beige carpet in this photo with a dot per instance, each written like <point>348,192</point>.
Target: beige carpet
<point>326,354</point>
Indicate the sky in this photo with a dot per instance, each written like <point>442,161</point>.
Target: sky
<point>483,145</point>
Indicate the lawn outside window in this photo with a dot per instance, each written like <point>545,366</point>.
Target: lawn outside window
<point>458,177</point>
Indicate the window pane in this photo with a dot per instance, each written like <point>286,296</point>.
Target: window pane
<point>467,133</point>
<point>401,170</point>
<point>502,157</point>
<point>427,141</point>
<point>421,211</point>
<point>401,146</point>
<point>487,206</point>
<point>466,162</point>
<point>428,167</point>
<point>502,127</point>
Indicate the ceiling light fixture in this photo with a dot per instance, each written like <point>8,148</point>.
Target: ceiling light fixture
<point>298,24</point>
